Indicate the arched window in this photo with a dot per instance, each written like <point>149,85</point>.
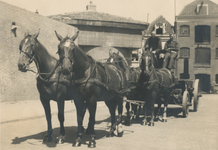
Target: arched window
<point>184,52</point>
<point>184,30</point>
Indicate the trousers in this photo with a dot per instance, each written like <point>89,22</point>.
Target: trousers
<point>172,56</point>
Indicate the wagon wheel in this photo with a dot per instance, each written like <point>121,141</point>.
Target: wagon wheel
<point>185,103</point>
<point>195,92</point>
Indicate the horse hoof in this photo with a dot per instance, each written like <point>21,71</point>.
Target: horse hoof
<point>47,139</point>
<point>144,123</point>
<point>110,134</point>
<point>151,124</point>
<point>92,144</point>
<point>164,120</point>
<point>120,134</point>
<point>76,143</point>
<point>60,140</point>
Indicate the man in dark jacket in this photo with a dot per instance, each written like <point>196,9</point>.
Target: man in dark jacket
<point>172,48</point>
<point>153,44</point>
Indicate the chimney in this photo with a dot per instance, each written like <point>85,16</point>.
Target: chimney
<point>91,7</point>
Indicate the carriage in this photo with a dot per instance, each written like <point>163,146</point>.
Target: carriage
<point>185,93</point>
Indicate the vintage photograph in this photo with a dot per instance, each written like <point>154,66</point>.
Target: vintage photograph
<point>109,74</point>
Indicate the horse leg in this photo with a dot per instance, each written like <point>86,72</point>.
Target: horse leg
<point>111,104</point>
<point>152,101</point>
<point>165,109</point>
<point>92,104</point>
<point>80,115</point>
<point>157,111</point>
<point>119,120</point>
<point>61,138</point>
<point>127,120</point>
<point>144,121</point>
<point>46,104</point>
<point>137,110</point>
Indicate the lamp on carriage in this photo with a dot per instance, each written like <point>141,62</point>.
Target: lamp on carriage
<point>13,29</point>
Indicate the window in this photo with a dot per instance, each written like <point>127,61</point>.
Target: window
<point>160,28</point>
<point>216,55</point>
<point>216,78</point>
<point>217,30</point>
<point>184,52</point>
<point>202,34</point>
<point>202,56</point>
<point>184,30</point>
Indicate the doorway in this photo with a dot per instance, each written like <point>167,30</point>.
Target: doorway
<point>204,82</point>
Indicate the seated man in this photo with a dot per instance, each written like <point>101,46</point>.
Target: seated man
<point>153,44</point>
<point>171,47</point>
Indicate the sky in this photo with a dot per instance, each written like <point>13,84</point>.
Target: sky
<point>141,10</point>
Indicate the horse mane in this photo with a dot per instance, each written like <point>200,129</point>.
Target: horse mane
<point>44,49</point>
<point>85,56</point>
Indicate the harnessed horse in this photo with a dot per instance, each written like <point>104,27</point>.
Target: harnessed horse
<point>51,83</point>
<point>93,81</point>
<point>132,74</point>
<point>156,84</point>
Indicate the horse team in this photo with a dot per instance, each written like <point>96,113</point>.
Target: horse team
<point>78,76</point>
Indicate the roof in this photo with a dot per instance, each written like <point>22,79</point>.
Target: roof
<point>99,19</point>
<point>159,21</point>
<point>96,16</point>
<point>190,9</point>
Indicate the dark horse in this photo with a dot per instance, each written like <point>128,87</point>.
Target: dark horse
<point>51,83</point>
<point>156,84</point>
<point>92,81</point>
<point>132,93</point>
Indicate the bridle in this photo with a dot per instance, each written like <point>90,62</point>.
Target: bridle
<point>31,57</point>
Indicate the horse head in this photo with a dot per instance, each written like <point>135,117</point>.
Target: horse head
<point>27,49</point>
<point>114,57</point>
<point>146,62</point>
<point>66,50</point>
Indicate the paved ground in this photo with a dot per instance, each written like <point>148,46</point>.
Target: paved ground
<point>23,127</point>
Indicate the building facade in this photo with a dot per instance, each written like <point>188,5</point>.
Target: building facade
<point>100,32</point>
<point>197,34</point>
<point>162,29</point>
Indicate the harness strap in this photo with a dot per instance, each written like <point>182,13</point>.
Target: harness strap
<point>50,74</point>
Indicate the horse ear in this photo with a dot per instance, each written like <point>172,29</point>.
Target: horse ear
<point>36,35</point>
<point>110,52</point>
<point>118,52</point>
<point>75,36</point>
<point>26,33</point>
<point>60,38</point>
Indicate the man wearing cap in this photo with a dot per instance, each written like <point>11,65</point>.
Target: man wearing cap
<point>172,48</point>
<point>153,44</point>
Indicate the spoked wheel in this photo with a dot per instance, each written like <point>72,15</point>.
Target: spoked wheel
<point>195,92</point>
<point>185,103</point>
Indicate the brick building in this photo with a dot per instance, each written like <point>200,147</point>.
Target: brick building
<point>197,34</point>
<point>100,32</point>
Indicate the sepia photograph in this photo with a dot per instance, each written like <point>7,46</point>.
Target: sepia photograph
<point>109,74</point>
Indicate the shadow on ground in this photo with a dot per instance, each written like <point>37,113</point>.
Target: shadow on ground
<point>71,133</point>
